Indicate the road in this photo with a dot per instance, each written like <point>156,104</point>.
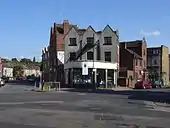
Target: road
<point>20,108</point>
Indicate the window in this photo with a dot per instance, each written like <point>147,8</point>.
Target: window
<point>90,56</point>
<point>144,52</point>
<point>140,62</point>
<point>73,42</point>
<point>155,51</point>
<point>90,40</point>
<point>107,40</point>
<point>72,56</point>
<point>155,62</point>
<point>136,62</point>
<point>108,56</point>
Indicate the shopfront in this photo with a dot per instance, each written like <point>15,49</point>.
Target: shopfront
<point>99,74</point>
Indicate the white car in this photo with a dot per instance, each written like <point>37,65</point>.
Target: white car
<point>2,82</point>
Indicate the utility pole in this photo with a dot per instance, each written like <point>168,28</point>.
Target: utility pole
<point>56,57</point>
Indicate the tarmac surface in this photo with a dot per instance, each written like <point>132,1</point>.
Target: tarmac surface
<point>20,108</point>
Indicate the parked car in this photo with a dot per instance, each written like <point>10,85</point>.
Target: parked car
<point>6,79</point>
<point>156,84</point>
<point>2,82</point>
<point>143,85</point>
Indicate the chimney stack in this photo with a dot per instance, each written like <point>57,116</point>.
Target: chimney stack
<point>123,45</point>
<point>66,26</point>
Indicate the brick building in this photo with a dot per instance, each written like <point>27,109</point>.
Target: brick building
<point>133,60</point>
<point>53,55</point>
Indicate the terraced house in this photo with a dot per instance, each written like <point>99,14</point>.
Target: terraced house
<point>158,63</point>
<point>53,55</point>
<point>91,57</point>
<point>133,62</point>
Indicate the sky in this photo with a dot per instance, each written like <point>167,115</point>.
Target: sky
<point>25,24</point>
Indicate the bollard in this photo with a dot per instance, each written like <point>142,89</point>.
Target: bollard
<point>40,86</point>
<point>35,84</point>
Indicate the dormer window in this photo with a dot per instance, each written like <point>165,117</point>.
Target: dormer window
<point>73,42</point>
<point>107,40</point>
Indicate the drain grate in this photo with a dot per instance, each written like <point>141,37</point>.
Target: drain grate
<point>108,117</point>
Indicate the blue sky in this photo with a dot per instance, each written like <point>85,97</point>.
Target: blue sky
<point>25,24</point>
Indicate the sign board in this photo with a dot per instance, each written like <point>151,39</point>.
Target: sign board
<point>84,68</point>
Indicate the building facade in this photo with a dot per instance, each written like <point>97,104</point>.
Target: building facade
<point>133,59</point>
<point>53,55</point>
<point>91,57</point>
<point>169,67</point>
<point>158,63</point>
<point>8,71</point>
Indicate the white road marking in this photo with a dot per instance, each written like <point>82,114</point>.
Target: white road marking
<point>35,102</point>
<point>81,94</point>
<point>95,108</point>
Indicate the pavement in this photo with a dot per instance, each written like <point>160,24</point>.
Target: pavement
<point>21,108</point>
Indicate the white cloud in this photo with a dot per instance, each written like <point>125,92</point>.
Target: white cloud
<point>154,33</point>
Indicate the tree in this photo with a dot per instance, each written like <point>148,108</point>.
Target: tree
<point>41,66</point>
<point>17,71</point>
<point>14,59</point>
<point>34,60</point>
<point>25,60</point>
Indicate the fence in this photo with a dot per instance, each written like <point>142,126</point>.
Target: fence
<point>51,86</point>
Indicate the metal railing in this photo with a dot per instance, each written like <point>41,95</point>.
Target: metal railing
<point>48,86</point>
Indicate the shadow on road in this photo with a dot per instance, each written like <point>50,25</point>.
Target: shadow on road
<point>21,82</point>
<point>147,95</point>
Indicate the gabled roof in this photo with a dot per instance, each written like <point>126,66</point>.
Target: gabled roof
<point>81,31</point>
<point>91,28</point>
<point>114,31</point>
<point>108,26</point>
<point>73,27</point>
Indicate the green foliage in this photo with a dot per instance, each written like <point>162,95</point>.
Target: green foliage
<point>14,60</point>
<point>155,75</point>
<point>25,61</point>
<point>34,60</point>
<point>18,71</point>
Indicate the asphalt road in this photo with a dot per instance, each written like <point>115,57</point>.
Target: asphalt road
<point>20,108</point>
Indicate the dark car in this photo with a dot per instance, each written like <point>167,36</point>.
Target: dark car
<point>143,85</point>
<point>156,84</point>
<point>6,79</point>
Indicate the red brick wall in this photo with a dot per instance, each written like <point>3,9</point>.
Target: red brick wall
<point>60,43</point>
